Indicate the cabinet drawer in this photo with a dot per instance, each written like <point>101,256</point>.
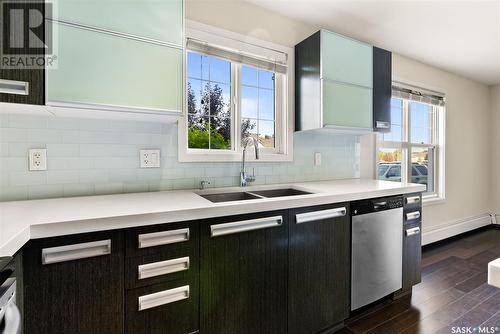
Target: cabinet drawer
<point>163,238</point>
<point>167,308</point>
<point>346,60</point>
<point>167,265</point>
<point>346,105</point>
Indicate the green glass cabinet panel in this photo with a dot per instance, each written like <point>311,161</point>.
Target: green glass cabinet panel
<point>155,19</point>
<point>346,105</point>
<point>102,69</point>
<point>346,60</point>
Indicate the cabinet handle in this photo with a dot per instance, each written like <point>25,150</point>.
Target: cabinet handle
<point>14,87</point>
<point>76,251</point>
<point>320,215</point>
<point>413,215</point>
<point>163,238</point>
<point>383,125</point>
<point>245,225</point>
<point>163,297</point>
<point>163,267</point>
<point>412,231</point>
<point>412,199</point>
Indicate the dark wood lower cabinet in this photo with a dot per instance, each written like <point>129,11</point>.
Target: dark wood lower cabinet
<point>319,268</point>
<point>285,271</point>
<point>243,274</point>
<point>83,295</point>
<point>412,255</point>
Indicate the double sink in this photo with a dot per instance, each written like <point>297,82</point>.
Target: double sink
<point>257,194</point>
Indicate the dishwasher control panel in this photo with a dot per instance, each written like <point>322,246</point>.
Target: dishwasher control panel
<point>376,205</point>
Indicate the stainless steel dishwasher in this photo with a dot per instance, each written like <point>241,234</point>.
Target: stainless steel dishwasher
<point>377,249</point>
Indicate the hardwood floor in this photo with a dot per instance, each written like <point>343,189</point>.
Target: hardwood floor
<point>454,291</point>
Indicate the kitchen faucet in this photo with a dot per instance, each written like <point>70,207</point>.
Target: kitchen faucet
<point>245,179</point>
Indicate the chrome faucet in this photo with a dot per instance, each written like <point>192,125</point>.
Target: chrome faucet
<point>244,178</point>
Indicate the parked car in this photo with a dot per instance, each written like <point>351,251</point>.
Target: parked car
<point>392,172</point>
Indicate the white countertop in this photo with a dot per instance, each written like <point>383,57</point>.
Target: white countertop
<point>494,273</point>
<point>24,220</point>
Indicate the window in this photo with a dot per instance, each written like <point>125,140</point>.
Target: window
<point>232,95</point>
<point>414,149</point>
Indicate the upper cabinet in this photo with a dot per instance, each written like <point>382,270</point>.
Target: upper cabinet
<point>156,20</point>
<point>336,85</point>
<point>118,55</point>
<point>382,89</point>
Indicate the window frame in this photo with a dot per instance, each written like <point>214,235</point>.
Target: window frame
<point>437,144</point>
<point>283,150</point>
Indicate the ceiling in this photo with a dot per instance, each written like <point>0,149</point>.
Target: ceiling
<point>459,36</point>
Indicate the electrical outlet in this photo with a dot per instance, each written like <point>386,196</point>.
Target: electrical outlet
<point>150,158</point>
<point>317,159</point>
<point>37,159</point>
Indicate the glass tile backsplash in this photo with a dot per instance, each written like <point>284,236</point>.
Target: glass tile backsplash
<point>95,157</point>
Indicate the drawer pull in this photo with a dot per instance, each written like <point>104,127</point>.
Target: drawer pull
<point>163,297</point>
<point>163,267</point>
<point>14,87</point>
<point>413,215</point>
<point>245,226</point>
<point>76,251</point>
<point>412,231</point>
<point>412,199</point>
<point>319,215</point>
<point>163,238</point>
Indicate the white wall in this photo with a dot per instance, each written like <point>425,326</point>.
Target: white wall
<point>467,140</point>
<point>468,106</point>
<point>495,145</point>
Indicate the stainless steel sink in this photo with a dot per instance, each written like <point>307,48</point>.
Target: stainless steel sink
<point>228,197</point>
<point>280,192</point>
<point>246,195</point>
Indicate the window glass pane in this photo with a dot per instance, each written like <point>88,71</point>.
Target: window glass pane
<point>220,70</point>
<point>194,65</point>
<point>198,136</point>
<point>220,135</point>
<point>389,167</point>
<point>266,79</point>
<point>420,121</point>
<point>423,166</point>
<point>209,102</point>
<point>249,76</point>
<point>194,96</point>
<point>249,102</point>
<point>266,133</point>
<point>248,128</point>
<point>396,133</point>
<point>266,104</point>
<point>258,110</point>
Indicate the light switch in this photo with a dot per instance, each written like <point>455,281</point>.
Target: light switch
<point>317,159</point>
<point>150,158</point>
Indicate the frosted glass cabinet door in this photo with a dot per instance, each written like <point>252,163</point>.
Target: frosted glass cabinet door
<point>156,19</point>
<point>346,60</point>
<point>347,105</point>
<point>97,68</point>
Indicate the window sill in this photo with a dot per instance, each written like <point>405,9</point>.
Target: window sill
<point>234,157</point>
<point>432,200</point>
